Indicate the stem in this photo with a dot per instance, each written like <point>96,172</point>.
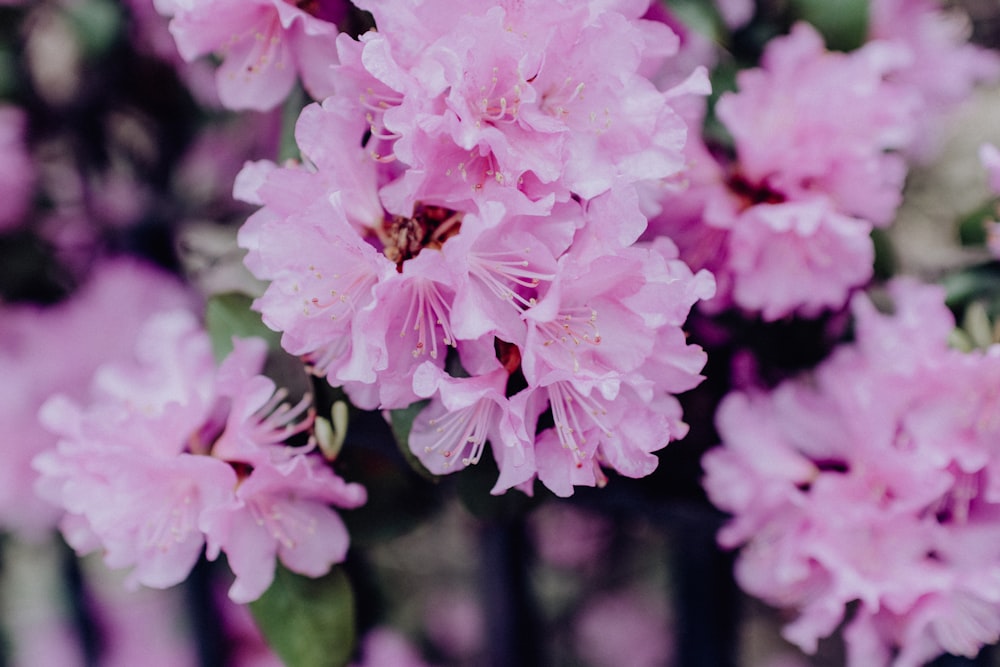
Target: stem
<point>512,623</point>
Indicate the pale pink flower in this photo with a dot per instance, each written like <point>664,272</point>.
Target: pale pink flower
<point>801,257</point>
<point>874,483</point>
<point>17,171</point>
<point>264,44</point>
<point>102,319</point>
<point>471,196</point>
<point>989,156</point>
<point>818,137</point>
<point>795,138</point>
<point>564,110</point>
<point>944,67</point>
<point>282,511</point>
<point>384,647</point>
<point>624,629</point>
<point>173,452</point>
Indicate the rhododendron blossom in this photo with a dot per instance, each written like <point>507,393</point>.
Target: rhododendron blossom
<point>469,200</point>
<point>943,67</point>
<point>874,481</point>
<point>172,452</point>
<point>103,319</point>
<point>817,165</point>
<point>264,45</point>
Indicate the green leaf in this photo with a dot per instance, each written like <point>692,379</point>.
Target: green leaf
<point>700,16</point>
<point>97,24</point>
<point>229,315</point>
<point>980,282</point>
<point>843,23</point>
<point>885,255</point>
<point>972,225</point>
<point>402,424</point>
<point>290,112</point>
<point>308,622</point>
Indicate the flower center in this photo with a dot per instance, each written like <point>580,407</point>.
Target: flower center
<point>429,227</point>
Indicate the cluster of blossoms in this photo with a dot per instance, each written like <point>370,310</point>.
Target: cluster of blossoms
<point>474,185</point>
<point>820,146</point>
<point>172,452</point>
<point>875,481</point>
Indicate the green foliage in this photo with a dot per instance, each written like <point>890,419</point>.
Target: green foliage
<point>97,23</point>
<point>885,255</point>
<point>843,23</point>
<point>228,315</point>
<point>699,16</point>
<point>296,100</point>
<point>402,424</point>
<point>972,225</point>
<point>308,622</point>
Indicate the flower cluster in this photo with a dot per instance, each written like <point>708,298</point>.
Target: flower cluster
<point>172,452</point>
<point>474,185</point>
<point>874,481</point>
<point>820,139</point>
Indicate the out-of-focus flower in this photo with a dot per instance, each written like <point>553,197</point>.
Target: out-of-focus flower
<point>873,482</point>
<point>172,452</point>
<point>454,621</point>
<point>383,647</point>
<point>45,350</point>
<point>17,171</point>
<point>568,537</point>
<point>943,68</point>
<point>989,156</point>
<point>624,629</point>
<point>784,225</point>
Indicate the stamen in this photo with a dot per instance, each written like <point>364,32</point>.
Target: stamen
<point>466,428</point>
<point>428,308</point>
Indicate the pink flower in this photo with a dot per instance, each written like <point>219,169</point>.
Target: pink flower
<point>797,139</point>
<point>172,452</point>
<point>264,44</point>
<point>102,319</point>
<point>989,156</point>
<point>624,629</point>
<point>281,510</point>
<point>799,257</point>
<point>873,482</point>
<point>383,647</point>
<point>818,138</point>
<point>564,108</point>
<point>17,171</point>
<point>943,67</point>
<point>471,196</point>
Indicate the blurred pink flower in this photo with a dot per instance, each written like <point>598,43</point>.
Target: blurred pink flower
<point>873,482</point>
<point>384,647</point>
<point>101,321</point>
<point>624,629</point>
<point>785,225</point>
<point>943,68</point>
<point>172,452</point>
<point>17,171</point>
